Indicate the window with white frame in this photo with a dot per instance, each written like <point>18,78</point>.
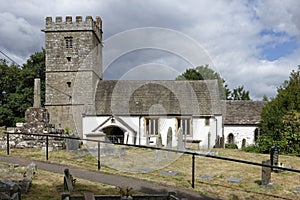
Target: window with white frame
<point>151,126</point>
<point>185,125</point>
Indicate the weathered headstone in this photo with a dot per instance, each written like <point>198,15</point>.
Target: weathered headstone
<point>169,142</point>
<point>234,180</point>
<point>72,144</point>
<point>68,181</point>
<point>158,145</point>
<point>244,143</point>
<point>208,142</point>
<point>180,145</point>
<point>266,173</point>
<point>274,154</point>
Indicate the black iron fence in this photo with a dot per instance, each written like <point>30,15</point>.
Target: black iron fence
<point>188,152</point>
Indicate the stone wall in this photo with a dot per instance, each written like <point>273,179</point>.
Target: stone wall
<point>73,68</point>
<point>15,180</point>
<point>31,141</point>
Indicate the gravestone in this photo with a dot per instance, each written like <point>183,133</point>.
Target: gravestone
<point>169,142</point>
<point>244,143</point>
<point>180,140</point>
<point>72,144</point>
<point>208,142</point>
<point>234,180</point>
<point>68,181</point>
<point>158,145</point>
<point>274,154</point>
<point>266,173</point>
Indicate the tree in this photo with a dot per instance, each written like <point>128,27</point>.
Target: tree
<point>16,87</point>
<point>239,93</point>
<point>276,115</point>
<point>205,73</point>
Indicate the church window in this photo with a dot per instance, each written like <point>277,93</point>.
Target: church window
<point>185,125</point>
<point>69,42</point>
<point>207,119</point>
<point>152,126</point>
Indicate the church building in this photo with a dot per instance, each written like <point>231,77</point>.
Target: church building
<point>131,111</point>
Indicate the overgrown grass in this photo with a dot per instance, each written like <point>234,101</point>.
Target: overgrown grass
<point>218,186</point>
<point>49,186</point>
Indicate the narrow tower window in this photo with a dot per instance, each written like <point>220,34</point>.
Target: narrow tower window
<point>69,42</point>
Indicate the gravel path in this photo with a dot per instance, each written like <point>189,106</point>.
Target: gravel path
<point>137,185</point>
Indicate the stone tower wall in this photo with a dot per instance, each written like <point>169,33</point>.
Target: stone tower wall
<point>73,68</point>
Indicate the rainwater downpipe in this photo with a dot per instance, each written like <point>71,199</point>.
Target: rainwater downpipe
<point>140,130</point>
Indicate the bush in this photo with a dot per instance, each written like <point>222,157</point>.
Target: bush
<point>231,146</point>
<point>251,148</point>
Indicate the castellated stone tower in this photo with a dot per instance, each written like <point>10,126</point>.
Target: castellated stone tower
<point>73,69</point>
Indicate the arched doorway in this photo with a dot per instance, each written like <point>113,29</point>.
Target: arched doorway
<point>114,134</point>
<point>230,139</point>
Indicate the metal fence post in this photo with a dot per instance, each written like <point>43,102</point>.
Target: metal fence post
<point>99,166</point>
<point>193,171</point>
<point>47,143</point>
<point>7,143</point>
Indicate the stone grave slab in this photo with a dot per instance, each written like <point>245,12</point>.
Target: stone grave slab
<point>144,169</point>
<point>297,190</point>
<point>168,173</point>
<point>206,176</point>
<point>234,180</point>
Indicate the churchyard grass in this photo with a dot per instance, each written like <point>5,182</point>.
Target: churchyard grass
<point>218,171</point>
<point>49,186</point>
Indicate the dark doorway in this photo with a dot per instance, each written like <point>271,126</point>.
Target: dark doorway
<point>256,134</point>
<point>230,139</point>
<point>114,134</point>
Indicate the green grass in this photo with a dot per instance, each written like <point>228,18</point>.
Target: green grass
<point>217,186</point>
<point>49,186</point>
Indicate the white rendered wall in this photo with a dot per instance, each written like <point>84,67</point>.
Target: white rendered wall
<point>240,133</point>
<point>198,128</point>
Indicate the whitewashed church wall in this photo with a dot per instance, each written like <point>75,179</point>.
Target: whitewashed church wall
<point>240,133</point>
<point>89,123</point>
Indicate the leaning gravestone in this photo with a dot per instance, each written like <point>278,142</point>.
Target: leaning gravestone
<point>68,182</point>
<point>180,140</point>
<point>266,173</point>
<point>158,145</point>
<point>169,142</point>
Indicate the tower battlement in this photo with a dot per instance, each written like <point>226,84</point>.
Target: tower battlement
<point>78,25</point>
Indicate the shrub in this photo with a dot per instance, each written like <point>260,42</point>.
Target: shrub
<point>231,146</point>
<point>251,148</point>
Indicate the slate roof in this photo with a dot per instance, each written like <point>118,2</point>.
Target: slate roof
<point>242,112</point>
<point>138,97</point>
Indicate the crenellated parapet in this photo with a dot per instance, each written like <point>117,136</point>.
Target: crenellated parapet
<point>89,24</point>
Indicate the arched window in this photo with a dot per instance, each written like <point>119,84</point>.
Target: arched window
<point>230,138</point>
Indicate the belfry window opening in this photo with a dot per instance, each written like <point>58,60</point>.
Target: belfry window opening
<point>69,42</point>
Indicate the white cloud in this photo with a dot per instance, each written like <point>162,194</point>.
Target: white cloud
<point>230,31</point>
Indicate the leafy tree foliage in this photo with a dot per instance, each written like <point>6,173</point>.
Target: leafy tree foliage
<point>280,118</point>
<point>206,73</point>
<point>16,87</point>
<point>239,93</point>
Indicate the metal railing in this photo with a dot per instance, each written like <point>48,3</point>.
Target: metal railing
<point>193,153</point>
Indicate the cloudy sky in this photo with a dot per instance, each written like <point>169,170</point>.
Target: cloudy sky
<point>252,43</point>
